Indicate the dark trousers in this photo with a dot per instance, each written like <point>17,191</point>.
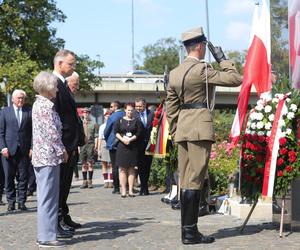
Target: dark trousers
<point>31,179</point>
<point>66,175</point>
<point>2,180</point>
<point>11,165</point>
<point>115,169</point>
<point>144,171</point>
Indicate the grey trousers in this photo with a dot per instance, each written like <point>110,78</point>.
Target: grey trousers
<point>47,180</point>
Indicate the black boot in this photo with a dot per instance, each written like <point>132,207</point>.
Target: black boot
<point>203,206</point>
<point>189,218</point>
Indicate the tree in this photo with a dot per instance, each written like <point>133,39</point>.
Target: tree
<point>156,56</point>
<point>279,45</point>
<point>25,25</point>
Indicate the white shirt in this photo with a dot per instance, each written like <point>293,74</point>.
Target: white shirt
<point>20,112</point>
<point>59,76</point>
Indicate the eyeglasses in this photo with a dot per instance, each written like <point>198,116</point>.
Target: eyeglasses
<point>70,64</point>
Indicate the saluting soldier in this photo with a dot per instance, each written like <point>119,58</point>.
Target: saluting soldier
<point>190,97</point>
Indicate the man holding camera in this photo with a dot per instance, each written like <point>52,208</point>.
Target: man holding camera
<point>190,98</point>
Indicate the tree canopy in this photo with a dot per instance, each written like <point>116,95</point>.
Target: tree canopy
<point>156,56</point>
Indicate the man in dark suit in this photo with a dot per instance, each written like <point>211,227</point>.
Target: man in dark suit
<point>146,116</point>
<point>15,145</point>
<point>64,65</point>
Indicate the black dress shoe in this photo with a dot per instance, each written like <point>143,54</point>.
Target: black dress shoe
<point>116,191</point>
<point>144,193</point>
<point>22,206</point>
<point>65,227</point>
<point>63,234</point>
<point>11,207</point>
<point>71,223</point>
<point>176,206</point>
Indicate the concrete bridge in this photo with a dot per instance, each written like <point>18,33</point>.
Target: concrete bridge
<point>115,88</point>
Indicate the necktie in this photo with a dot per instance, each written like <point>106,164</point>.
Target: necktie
<point>18,116</point>
<point>143,119</point>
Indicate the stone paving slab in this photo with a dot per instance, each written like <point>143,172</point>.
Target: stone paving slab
<point>111,222</point>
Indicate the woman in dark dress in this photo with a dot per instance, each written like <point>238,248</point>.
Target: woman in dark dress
<point>127,129</point>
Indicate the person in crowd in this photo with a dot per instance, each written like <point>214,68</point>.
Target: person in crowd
<point>146,117</point>
<point>103,154</point>
<point>2,183</point>
<point>110,138</point>
<point>73,84</point>
<point>64,66</point>
<point>189,96</point>
<point>15,145</point>
<point>128,130</point>
<point>31,181</point>
<point>88,150</point>
<point>48,153</point>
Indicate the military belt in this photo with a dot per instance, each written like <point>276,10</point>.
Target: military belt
<point>196,105</point>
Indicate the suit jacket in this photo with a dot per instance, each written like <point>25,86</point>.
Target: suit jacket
<point>146,131</point>
<point>11,135</point>
<point>109,132</point>
<point>196,124</point>
<point>66,108</point>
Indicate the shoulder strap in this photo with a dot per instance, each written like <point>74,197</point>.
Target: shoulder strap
<point>182,83</point>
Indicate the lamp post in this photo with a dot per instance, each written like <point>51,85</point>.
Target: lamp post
<point>132,34</point>
<point>207,26</point>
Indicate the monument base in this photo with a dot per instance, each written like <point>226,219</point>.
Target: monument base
<point>262,211</point>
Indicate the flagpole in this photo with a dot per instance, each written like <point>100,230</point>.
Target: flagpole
<point>207,26</point>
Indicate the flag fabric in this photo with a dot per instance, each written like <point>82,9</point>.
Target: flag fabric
<point>294,35</point>
<point>257,70</point>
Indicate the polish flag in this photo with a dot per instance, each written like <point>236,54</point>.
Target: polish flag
<point>257,70</point>
<point>294,29</point>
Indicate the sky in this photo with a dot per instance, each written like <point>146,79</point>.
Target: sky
<point>103,27</point>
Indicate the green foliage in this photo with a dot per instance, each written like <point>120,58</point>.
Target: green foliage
<point>156,56</point>
<point>158,172</point>
<point>223,120</point>
<point>19,74</point>
<point>85,68</point>
<point>279,43</point>
<point>25,25</point>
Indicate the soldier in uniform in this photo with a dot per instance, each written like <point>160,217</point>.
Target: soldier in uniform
<point>88,150</point>
<point>189,97</point>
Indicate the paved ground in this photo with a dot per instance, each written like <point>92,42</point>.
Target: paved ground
<point>110,222</point>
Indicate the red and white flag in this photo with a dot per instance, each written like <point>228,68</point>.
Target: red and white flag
<point>294,29</point>
<point>257,70</point>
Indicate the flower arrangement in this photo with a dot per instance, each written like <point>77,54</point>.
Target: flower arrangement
<point>256,139</point>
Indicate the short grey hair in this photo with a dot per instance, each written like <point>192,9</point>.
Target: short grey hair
<point>44,82</point>
<point>62,54</point>
<point>18,91</point>
<point>140,99</point>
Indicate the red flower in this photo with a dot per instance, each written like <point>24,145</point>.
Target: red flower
<point>279,173</point>
<point>260,170</point>
<point>245,156</point>
<point>259,158</point>
<point>288,169</point>
<point>248,144</point>
<point>292,159</point>
<point>280,161</point>
<point>267,139</point>
<point>254,137</point>
<point>250,157</point>
<point>259,148</point>
<point>253,147</point>
<point>248,178</point>
<point>261,139</point>
<point>282,141</point>
<point>292,153</point>
<point>283,151</point>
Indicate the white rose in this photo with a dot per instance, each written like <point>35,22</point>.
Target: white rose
<point>290,115</point>
<point>275,100</point>
<point>248,131</point>
<point>268,109</point>
<point>260,133</point>
<point>252,132</point>
<point>287,99</point>
<point>260,116</point>
<point>268,125</point>
<point>269,133</point>
<point>252,116</point>
<point>279,96</point>
<point>253,125</point>
<point>281,123</point>
<point>283,134</point>
<point>271,117</point>
<point>260,125</point>
<point>293,107</point>
<point>288,131</point>
<point>259,107</point>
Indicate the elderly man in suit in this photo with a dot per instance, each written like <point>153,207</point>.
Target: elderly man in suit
<point>15,145</point>
<point>64,66</point>
<point>189,95</point>
<point>146,116</point>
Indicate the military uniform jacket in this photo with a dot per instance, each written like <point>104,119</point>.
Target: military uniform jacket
<point>196,124</point>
